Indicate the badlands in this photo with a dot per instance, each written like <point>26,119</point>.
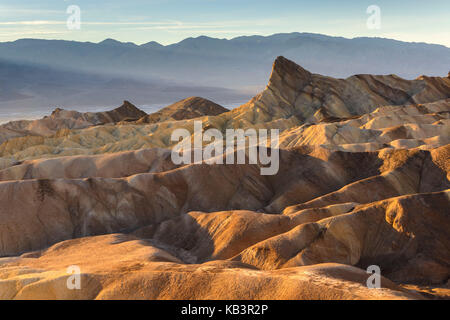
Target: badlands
<point>363,180</point>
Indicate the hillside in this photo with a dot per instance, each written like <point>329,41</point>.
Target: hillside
<point>189,108</point>
<point>293,98</point>
<point>364,179</point>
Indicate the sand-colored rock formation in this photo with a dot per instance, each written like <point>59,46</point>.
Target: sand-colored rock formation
<point>364,179</point>
<point>60,209</point>
<point>114,165</point>
<point>400,127</point>
<point>189,108</point>
<point>293,98</point>
<point>398,234</point>
<point>65,120</point>
<point>126,267</point>
<point>295,92</point>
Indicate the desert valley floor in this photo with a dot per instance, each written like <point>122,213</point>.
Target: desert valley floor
<point>363,180</point>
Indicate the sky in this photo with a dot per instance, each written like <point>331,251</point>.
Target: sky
<point>170,21</point>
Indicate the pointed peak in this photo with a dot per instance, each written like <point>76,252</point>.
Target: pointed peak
<point>127,105</point>
<point>282,64</point>
<point>57,110</point>
<point>287,71</point>
<point>130,110</point>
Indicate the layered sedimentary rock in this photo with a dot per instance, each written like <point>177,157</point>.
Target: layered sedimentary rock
<point>400,235</point>
<point>363,180</point>
<point>126,267</point>
<point>62,119</point>
<point>60,209</point>
<point>190,108</point>
<point>401,127</point>
<point>295,92</point>
<point>293,98</point>
<point>114,165</point>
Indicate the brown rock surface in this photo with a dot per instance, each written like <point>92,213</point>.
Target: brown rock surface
<point>363,180</point>
<point>189,108</point>
<point>125,267</point>
<point>293,99</point>
<point>65,120</point>
<point>114,165</point>
<point>400,235</point>
<point>72,207</point>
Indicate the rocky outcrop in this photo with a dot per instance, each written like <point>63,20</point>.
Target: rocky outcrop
<point>190,108</point>
<point>127,267</point>
<point>399,127</point>
<point>295,92</point>
<point>308,104</point>
<point>60,209</point>
<point>61,119</point>
<point>115,165</point>
<point>400,235</point>
<point>364,179</point>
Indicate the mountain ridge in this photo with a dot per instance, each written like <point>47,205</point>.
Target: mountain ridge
<point>317,35</point>
<point>186,59</point>
<point>294,97</point>
<point>363,180</point>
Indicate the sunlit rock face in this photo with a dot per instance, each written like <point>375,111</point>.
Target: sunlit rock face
<point>363,180</point>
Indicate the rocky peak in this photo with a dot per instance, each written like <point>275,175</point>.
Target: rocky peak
<point>57,111</point>
<point>128,110</point>
<point>189,108</point>
<point>287,73</point>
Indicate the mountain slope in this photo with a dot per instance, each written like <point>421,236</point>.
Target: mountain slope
<point>293,98</point>
<point>364,179</point>
<point>238,62</point>
<point>294,91</point>
<point>189,108</point>
<point>63,119</point>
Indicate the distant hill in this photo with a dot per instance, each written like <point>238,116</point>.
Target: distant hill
<point>189,108</point>
<point>61,119</point>
<point>237,63</point>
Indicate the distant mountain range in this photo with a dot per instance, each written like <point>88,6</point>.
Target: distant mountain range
<point>71,73</point>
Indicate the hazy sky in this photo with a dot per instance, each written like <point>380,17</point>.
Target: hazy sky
<point>168,21</point>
